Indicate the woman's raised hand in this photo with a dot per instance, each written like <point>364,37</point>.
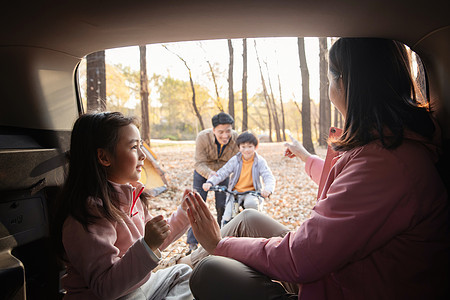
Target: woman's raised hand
<point>204,225</point>
<point>296,149</point>
<point>156,231</point>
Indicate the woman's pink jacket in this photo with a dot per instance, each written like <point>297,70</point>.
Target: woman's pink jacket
<point>111,259</point>
<point>378,230</point>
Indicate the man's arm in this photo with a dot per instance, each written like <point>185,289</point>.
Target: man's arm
<point>201,156</point>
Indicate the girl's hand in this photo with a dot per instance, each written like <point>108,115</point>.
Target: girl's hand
<point>296,149</point>
<point>156,231</point>
<point>206,186</point>
<point>204,225</point>
<point>265,194</point>
<point>184,205</point>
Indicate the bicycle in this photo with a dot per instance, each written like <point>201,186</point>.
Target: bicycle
<point>236,205</point>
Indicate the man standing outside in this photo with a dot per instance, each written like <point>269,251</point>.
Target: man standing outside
<point>213,148</point>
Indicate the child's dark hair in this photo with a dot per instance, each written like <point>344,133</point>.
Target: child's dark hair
<point>247,137</point>
<point>87,178</point>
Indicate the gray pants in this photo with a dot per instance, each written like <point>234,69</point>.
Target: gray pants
<point>247,201</point>
<point>171,283</point>
<point>216,277</point>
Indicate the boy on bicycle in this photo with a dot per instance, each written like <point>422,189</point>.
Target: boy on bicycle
<point>247,168</point>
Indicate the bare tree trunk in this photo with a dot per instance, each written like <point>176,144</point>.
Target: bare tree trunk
<point>213,75</point>
<point>261,125</point>
<point>325,104</point>
<point>145,126</point>
<point>273,106</point>
<point>194,104</point>
<point>268,116</point>
<point>283,123</point>
<point>230,80</point>
<point>96,81</point>
<point>298,108</point>
<point>306,100</point>
<point>266,96</point>
<point>258,113</point>
<point>244,87</point>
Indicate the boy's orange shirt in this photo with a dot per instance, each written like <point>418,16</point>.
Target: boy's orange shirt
<point>245,182</point>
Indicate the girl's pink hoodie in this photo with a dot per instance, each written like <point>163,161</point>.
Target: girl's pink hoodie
<point>112,259</point>
<point>378,230</point>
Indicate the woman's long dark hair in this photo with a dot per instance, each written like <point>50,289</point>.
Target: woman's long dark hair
<point>381,98</point>
<point>86,177</point>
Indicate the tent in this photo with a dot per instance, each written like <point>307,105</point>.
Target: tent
<point>152,175</point>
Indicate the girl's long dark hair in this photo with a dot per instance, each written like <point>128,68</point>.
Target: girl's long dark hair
<point>86,177</point>
<point>381,95</point>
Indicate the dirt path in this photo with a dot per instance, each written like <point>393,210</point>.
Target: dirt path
<point>290,204</point>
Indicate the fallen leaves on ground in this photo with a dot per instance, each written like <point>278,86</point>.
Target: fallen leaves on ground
<point>290,204</point>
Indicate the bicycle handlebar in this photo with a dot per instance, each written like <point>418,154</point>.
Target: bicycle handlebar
<point>224,189</point>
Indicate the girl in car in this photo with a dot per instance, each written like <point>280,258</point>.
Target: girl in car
<point>108,240</point>
<point>379,229</point>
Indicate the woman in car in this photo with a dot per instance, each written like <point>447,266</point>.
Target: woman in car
<point>379,229</point>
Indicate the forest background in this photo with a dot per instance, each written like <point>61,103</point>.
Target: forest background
<point>176,88</point>
<point>264,83</point>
